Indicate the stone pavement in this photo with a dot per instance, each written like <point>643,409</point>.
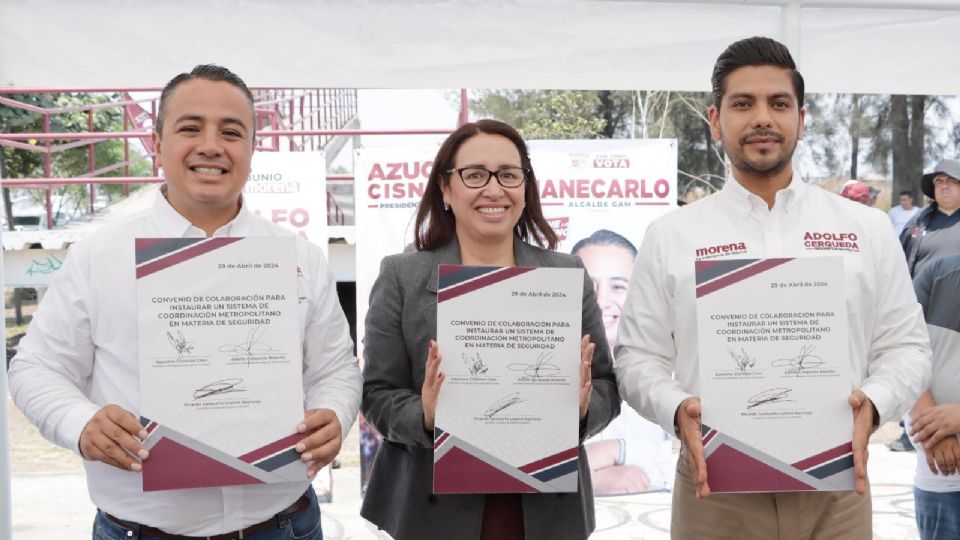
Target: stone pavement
<point>49,506</point>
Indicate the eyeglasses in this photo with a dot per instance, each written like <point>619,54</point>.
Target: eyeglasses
<point>478,177</point>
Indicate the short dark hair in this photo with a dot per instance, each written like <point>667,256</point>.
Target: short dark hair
<point>435,226</point>
<point>207,72</point>
<point>906,192</point>
<point>754,51</point>
<point>604,237</point>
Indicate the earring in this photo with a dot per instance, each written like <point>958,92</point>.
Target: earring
<point>446,207</point>
<point>523,206</point>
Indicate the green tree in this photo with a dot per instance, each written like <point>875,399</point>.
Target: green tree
<point>18,162</point>
<point>544,114</point>
<point>21,163</point>
<point>906,134</point>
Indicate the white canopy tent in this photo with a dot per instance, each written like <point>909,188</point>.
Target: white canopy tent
<point>866,46</point>
<point>863,46</point>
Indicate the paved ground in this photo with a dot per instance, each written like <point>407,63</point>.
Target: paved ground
<point>55,505</point>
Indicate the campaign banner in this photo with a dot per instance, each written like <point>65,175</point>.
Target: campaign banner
<point>599,196</point>
<point>290,189</point>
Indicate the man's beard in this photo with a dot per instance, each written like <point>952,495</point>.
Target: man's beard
<point>740,162</point>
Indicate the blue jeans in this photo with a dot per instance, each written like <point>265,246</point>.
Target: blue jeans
<point>304,525</point>
<point>938,514</point>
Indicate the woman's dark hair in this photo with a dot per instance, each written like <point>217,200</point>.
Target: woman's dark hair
<point>435,226</point>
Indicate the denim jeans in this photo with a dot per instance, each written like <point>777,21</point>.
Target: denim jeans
<point>304,525</point>
<point>938,514</point>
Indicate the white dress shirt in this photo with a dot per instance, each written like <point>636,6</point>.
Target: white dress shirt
<point>80,353</point>
<point>899,217</point>
<point>656,358</point>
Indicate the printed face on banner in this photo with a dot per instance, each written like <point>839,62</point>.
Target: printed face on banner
<point>206,145</point>
<point>760,120</point>
<point>610,267</point>
<point>486,214</point>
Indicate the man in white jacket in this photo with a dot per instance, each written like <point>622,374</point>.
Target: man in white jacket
<point>764,211</point>
<point>76,371</point>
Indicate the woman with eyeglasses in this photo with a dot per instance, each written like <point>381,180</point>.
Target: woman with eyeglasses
<point>480,207</point>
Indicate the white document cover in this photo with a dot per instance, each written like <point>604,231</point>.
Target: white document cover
<point>775,374</point>
<point>507,415</point>
<point>220,361</point>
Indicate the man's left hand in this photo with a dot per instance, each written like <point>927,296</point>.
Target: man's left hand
<point>323,439</point>
<point>862,426</point>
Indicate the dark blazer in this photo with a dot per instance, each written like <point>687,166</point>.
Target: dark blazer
<point>401,321</point>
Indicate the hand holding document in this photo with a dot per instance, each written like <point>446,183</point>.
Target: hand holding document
<point>507,413</point>
<point>220,361</point>
<point>774,374</point>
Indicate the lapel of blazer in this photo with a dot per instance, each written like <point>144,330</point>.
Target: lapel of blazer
<point>527,255</point>
<point>448,254</point>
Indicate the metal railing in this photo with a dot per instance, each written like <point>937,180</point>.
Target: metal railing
<point>308,117</point>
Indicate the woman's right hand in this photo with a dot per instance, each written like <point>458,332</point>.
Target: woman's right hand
<point>432,380</point>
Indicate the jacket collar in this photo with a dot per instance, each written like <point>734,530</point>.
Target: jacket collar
<point>172,224</point>
<point>745,202</point>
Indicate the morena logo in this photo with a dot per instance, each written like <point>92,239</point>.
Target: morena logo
<point>733,248</point>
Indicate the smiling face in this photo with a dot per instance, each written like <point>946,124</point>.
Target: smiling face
<point>610,268</point>
<point>759,121</point>
<point>205,149</point>
<point>487,215</point>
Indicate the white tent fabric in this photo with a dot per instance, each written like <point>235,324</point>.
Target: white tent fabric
<point>864,46</point>
<point>867,46</point>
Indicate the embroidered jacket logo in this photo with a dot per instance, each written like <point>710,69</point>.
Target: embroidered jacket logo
<point>733,248</point>
<point>831,241</point>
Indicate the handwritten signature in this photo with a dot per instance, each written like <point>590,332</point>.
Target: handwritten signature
<point>501,404</point>
<point>543,367</point>
<point>215,388</point>
<point>743,360</point>
<point>474,364</point>
<point>804,360</point>
<point>251,347</point>
<point>773,395</point>
<point>180,344</point>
